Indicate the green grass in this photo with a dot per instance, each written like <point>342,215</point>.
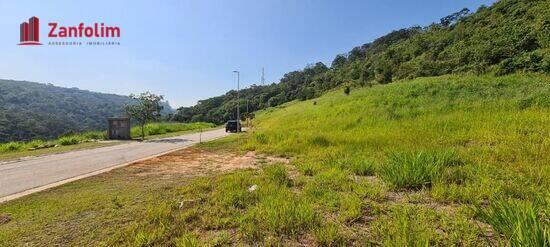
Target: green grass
<point>450,139</point>
<point>417,163</point>
<point>520,221</point>
<point>406,225</point>
<point>12,150</point>
<point>415,170</point>
<point>278,174</point>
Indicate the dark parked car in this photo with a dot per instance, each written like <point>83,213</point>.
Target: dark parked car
<point>232,126</point>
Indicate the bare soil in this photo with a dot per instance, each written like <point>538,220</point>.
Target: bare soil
<point>197,162</point>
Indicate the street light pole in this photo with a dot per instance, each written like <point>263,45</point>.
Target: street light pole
<point>247,115</point>
<point>238,110</point>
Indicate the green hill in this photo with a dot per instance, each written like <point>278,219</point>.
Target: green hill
<point>424,162</point>
<point>510,36</point>
<point>30,110</point>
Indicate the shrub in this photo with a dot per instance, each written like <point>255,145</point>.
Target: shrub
<point>347,90</point>
<point>518,221</point>
<point>413,170</point>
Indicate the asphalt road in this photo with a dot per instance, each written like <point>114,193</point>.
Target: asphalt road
<point>27,176</point>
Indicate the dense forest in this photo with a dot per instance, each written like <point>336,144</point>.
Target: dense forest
<point>30,110</point>
<point>510,36</point>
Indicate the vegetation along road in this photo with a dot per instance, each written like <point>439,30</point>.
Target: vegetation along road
<point>27,176</point>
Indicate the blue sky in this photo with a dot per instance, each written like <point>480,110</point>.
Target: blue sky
<point>187,50</point>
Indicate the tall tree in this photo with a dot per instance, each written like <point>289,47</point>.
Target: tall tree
<point>147,108</point>
<point>339,61</point>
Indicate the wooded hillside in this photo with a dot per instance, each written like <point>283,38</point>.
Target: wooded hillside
<point>510,36</point>
<point>30,110</point>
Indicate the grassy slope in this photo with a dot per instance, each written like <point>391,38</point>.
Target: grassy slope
<point>472,148</point>
<point>497,128</point>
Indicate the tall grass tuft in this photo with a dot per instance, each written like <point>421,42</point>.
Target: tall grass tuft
<point>329,235</point>
<point>187,240</point>
<point>279,213</point>
<point>70,140</point>
<point>357,165</point>
<point>278,174</point>
<point>518,221</point>
<point>414,170</point>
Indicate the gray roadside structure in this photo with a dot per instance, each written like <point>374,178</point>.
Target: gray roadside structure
<point>118,128</point>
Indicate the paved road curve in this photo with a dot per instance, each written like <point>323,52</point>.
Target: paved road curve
<point>24,177</point>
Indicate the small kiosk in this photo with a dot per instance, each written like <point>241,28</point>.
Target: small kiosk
<point>119,129</point>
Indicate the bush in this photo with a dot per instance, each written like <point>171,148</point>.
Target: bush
<point>414,170</point>
<point>347,90</point>
<point>518,221</point>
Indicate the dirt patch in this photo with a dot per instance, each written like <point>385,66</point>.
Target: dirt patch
<point>4,218</point>
<point>195,162</point>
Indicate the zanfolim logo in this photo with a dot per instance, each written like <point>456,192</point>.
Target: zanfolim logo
<point>96,34</point>
<point>29,32</point>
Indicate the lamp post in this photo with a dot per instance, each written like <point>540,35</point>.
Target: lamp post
<point>238,110</point>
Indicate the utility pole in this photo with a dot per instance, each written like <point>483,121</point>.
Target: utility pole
<point>238,110</point>
<point>263,78</point>
<point>247,115</point>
